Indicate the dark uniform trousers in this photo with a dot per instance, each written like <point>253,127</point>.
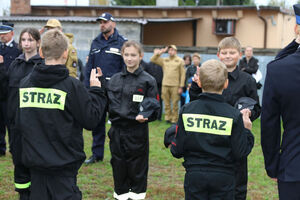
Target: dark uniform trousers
<point>3,123</point>
<point>99,139</point>
<point>201,185</point>
<point>130,154</point>
<point>241,178</point>
<point>51,187</point>
<point>21,173</point>
<point>288,190</point>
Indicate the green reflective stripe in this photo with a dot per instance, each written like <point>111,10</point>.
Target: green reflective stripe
<point>207,124</point>
<point>42,98</point>
<point>23,185</point>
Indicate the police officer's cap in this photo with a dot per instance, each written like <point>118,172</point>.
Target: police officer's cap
<point>106,17</point>
<point>6,27</point>
<point>297,12</point>
<point>149,106</point>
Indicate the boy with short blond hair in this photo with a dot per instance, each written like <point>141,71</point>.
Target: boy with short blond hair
<point>211,137</point>
<point>229,42</point>
<point>53,45</point>
<point>53,109</point>
<point>213,76</point>
<point>241,84</point>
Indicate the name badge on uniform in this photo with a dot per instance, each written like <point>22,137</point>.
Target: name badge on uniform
<point>137,98</point>
<point>113,51</point>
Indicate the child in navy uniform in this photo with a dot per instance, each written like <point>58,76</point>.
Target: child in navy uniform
<point>129,114</point>
<point>211,137</point>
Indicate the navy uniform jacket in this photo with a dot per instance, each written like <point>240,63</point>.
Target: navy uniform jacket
<point>9,53</point>
<point>105,54</point>
<point>281,102</point>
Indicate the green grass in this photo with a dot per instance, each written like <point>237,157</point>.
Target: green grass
<point>166,174</point>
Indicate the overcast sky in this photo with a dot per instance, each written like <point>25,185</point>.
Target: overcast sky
<point>5,4</point>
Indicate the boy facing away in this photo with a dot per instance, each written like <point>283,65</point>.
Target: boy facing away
<point>241,84</point>
<point>211,137</point>
<point>53,109</point>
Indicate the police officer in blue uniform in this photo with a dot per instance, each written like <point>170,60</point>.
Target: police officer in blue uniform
<point>280,104</point>
<point>8,52</point>
<point>105,53</point>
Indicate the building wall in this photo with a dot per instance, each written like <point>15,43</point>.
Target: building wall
<point>84,32</point>
<point>178,33</point>
<point>249,27</point>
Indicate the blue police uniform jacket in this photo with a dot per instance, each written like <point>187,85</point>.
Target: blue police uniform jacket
<point>9,53</point>
<point>281,103</point>
<point>105,54</point>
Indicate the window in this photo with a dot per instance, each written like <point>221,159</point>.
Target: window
<point>224,26</point>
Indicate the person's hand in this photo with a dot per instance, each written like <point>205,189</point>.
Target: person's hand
<point>246,119</point>
<point>141,119</point>
<point>160,51</point>
<point>297,39</point>
<point>179,90</point>
<point>164,50</point>
<point>1,59</point>
<point>246,111</point>
<point>42,30</point>
<point>156,51</point>
<point>196,75</point>
<point>99,72</point>
<point>94,81</point>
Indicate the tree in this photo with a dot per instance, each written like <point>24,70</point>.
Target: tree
<point>280,3</point>
<point>134,2</point>
<point>214,2</point>
<point>185,2</point>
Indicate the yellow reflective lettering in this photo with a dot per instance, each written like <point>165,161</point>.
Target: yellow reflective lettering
<point>207,124</point>
<point>48,98</point>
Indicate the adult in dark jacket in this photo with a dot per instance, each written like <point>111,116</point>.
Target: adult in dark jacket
<point>249,63</point>
<point>9,50</point>
<point>54,108</point>
<point>105,53</point>
<point>280,105</point>
<point>9,81</point>
<point>157,72</point>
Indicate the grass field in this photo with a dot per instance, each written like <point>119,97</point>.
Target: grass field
<point>166,174</point>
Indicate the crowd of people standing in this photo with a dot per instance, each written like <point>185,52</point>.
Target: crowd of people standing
<point>44,107</point>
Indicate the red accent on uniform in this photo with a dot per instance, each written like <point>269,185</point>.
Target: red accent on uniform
<point>176,130</point>
<point>173,143</point>
<point>157,97</point>
<point>140,90</point>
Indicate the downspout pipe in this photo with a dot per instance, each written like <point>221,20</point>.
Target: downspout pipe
<point>265,26</point>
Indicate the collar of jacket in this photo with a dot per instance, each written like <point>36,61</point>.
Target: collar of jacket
<point>34,58</point>
<point>113,37</point>
<point>136,72</point>
<point>213,96</point>
<point>234,74</point>
<point>47,75</point>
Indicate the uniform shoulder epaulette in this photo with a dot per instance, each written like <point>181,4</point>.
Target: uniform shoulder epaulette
<point>123,38</point>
